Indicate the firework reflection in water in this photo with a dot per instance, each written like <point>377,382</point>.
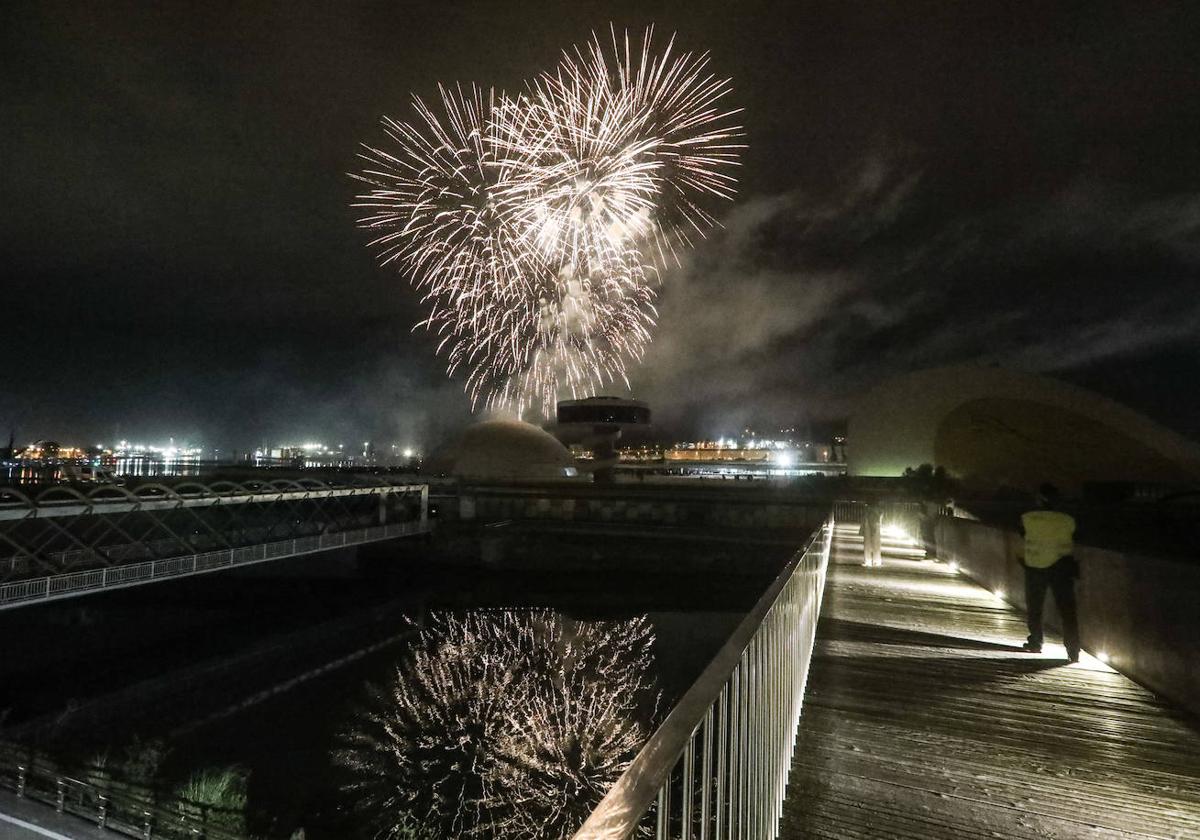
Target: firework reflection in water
<point>504,724</point>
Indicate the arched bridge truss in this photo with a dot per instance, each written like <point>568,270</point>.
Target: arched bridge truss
<point>65,541</point>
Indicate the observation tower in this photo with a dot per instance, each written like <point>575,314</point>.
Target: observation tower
<point>597,423</point>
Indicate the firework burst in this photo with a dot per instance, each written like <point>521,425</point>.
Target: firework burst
<point>535,226</point>
<point>509,724</point>
<point>626,145</point>
<point>436,209</point>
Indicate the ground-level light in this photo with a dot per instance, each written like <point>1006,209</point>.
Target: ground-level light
<point>896,532</point>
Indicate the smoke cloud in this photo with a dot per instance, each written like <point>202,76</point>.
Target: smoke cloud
<point>796,305</point>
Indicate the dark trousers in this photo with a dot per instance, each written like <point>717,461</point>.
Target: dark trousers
<point>1059,579</point>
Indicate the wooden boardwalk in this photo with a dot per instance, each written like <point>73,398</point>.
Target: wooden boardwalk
<point>924,719</point>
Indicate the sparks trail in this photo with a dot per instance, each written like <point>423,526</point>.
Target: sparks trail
<point>535,226</point>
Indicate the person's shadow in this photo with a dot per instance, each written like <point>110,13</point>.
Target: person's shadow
<point>941,673</point>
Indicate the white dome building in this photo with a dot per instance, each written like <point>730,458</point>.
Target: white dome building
<point>1004,427</point>
<point>504,451</point>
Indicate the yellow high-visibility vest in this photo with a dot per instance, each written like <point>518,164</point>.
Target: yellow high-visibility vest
<point>1049,536</point>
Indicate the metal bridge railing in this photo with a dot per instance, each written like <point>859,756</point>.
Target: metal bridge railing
<point>67,529</point>
<point>52,587</point>
<point>121,808</point>
<point>849,511</point>
<point>61,501</point>
<point>717,767</point>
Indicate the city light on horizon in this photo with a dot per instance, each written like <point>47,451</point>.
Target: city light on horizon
<point>543,421</point>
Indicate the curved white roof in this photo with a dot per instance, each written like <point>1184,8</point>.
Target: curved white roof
<point>990,419</point>
<point>506,450</point>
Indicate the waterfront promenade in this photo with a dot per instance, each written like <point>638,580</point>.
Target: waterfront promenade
<point>924,719</point>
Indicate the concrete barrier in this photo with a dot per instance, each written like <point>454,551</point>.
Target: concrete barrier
<point>671,507</point>
<point>1143,612</point>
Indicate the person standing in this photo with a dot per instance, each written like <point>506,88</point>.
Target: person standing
<point>872,531</point>
<point>1049,563</point>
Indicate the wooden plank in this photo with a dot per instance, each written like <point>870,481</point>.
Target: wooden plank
<point>924,719</point>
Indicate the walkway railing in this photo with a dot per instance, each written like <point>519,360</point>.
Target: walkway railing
<point>64,501</point>
<point>53,587</point>
<point>717,767</point>
<point>125,809</point>
<point>907,513</point>
<point>67,528</point>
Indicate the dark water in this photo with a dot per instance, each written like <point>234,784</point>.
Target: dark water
<point>472,698</point>
<point>34,473</point>
<point>290,743</point>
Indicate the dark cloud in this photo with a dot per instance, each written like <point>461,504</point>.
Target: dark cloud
<point>1085,280</point>
<point>995,182</point>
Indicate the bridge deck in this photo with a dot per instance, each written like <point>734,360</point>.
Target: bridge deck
<point>924,719</point>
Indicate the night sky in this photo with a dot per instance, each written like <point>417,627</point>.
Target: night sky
<point>925,183</point>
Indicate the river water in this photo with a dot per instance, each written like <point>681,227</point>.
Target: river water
<point>433,700</point>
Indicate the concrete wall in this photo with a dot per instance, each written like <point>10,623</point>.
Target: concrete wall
<point>647,510</point>
<point>1144,612</point>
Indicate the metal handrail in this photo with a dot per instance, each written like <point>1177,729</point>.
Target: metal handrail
<point>743,710</point>
<point>123,808</point>
<point>52,587</point>
<point>37,508</point>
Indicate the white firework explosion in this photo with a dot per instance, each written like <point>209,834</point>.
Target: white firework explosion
<point>535,226</point>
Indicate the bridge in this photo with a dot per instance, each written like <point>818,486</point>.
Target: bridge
<point>65,542</point>
<point>881,700</point>
<point>906,710</point>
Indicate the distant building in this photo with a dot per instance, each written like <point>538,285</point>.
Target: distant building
<point>646,453</point>
<point>504,451</point>
<point>603,411</point>
<point>595,424</point>
<point>1000,427</point>
<point>714,453</point>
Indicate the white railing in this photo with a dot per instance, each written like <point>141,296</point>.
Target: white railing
<point>53,587</point>
<point>116,808</point>
<point>717,767</point>
<point>169,500</point>
<point>849,511</point>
